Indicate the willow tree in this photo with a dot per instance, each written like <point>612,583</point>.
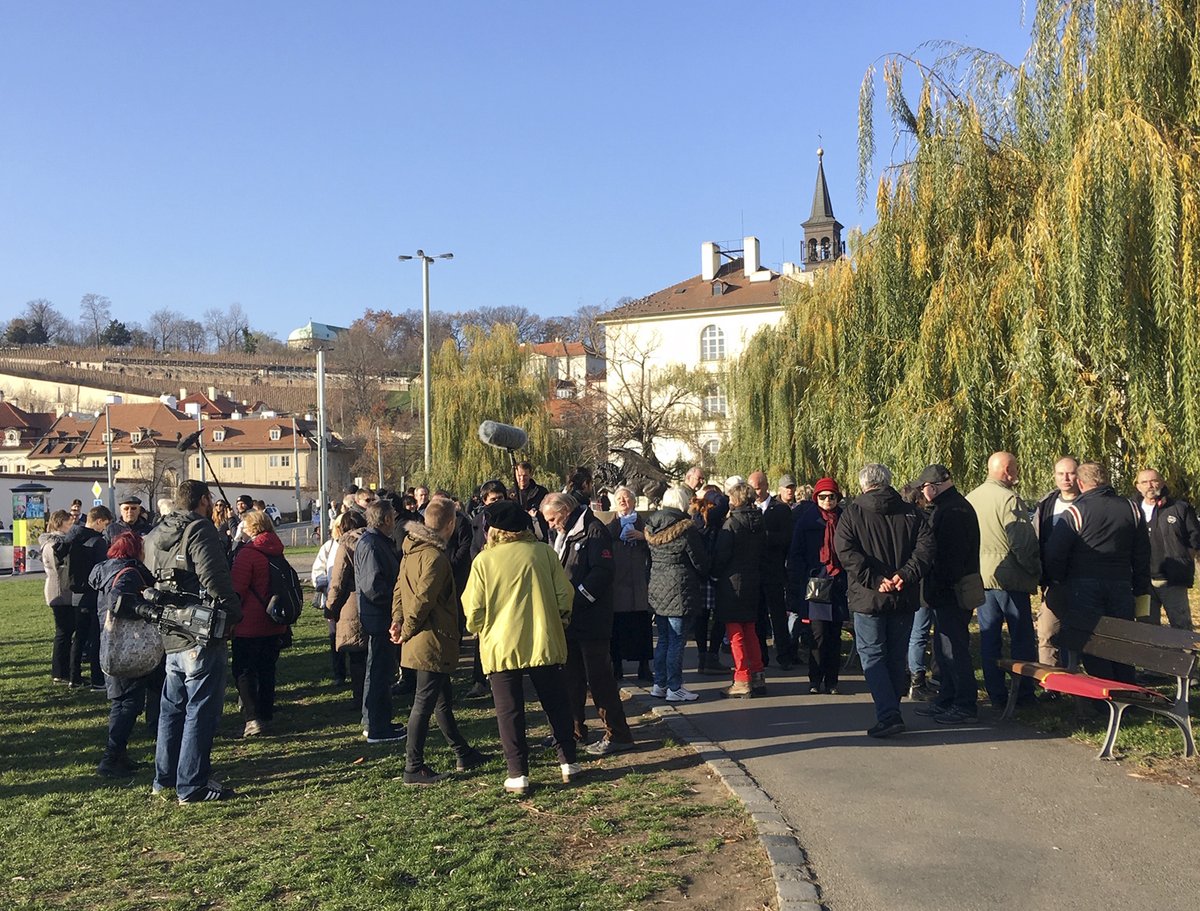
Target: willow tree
<point>487,380</point>
<point>1032,281</point>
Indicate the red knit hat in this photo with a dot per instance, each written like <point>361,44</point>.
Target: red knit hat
<point>824,485</point>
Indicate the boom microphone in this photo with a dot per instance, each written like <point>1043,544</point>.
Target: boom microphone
<point>188,441</point>
<point>503,436</point>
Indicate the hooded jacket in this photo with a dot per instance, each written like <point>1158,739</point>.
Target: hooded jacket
<point>586,554</point>
<point>187,548</point>
<point>252,581</point>
<point>678,564</point>
<point>58,579</point>
<point>425,603</point>
<point>878,536</point>
<point>741,552</point>
<point>342,599</point>
<point>518,599</point>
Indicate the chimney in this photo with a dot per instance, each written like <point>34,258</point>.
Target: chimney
<point>212,392</point>
<point>112,400</point>
<point>182,393</point>
<point>710,260</point>
<point>169,400</point>
<point>750,256</point>
<point>1,395</point>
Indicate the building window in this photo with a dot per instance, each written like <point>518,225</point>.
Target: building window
<point>218,436</point>
<point>276,461</point>
<point>711,449</point>
<point>135,437</point>
<point>3,467</point>
<point>276,433</point>
<point>231,461</point>
<point>712,344</point>
<point>285,461</point>
<point>714,401</point>
<point>95,463</point>
<point>116,464</point>
<point>107,437</point>
<point>137,464</point>
<point>12,438</point>
<point>197,463</point>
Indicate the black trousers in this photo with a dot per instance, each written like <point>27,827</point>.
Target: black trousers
<point>825,653</point>
<point>87,642</point>
<point>589,667</point>
<point>356,668</point>
<point>772,612</point>
<point>508,693</point>
<point>254,661</point>
<point>952,650</point>
<point>64,629</point>
<point>433,698</point>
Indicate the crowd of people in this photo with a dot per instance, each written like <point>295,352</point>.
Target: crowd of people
<point>569,587</point>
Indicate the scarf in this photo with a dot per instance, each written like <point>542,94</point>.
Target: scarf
<point>828,555</point>
<point>627,523</point>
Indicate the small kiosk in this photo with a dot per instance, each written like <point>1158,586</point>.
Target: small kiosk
<point>30,509</point>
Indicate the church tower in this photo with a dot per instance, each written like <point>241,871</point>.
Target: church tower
<point>822,232</point>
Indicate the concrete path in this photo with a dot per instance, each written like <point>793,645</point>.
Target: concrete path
<point>991,816</point>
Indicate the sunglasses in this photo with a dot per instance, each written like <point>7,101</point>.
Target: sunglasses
<point>827,496</point>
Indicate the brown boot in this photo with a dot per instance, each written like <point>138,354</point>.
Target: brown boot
<point>758,684</point>
<point>739,690</point>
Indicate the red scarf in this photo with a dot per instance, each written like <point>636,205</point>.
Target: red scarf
<point>828,555</point>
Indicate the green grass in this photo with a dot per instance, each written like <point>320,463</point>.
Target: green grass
<point>323,821</point>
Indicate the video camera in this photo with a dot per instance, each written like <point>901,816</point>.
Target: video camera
<point>183,613</point>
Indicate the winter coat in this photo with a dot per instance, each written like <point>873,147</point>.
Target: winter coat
<point>425,603</point>
<point>1044,526</point>
<point>321,567</point>
<point>586,554</point>
<point>58,579</point>
<point>110,580</point>
<point>1009,556</point>
<point>518,599</point>
<point>1102,537</point>
<point>804,561</point>
<point>956,536</point>
<point>141,528</point>
<point>187,547</point>
<point>631,569</point>
<point>342,599</point>
<point>777,522</point>
<point>376,567</point>
<point>86,549</point>
<point>458,551</point>
<point>738,565</point>
<point>678,564</point>
<point>878,536</point>
<point>252,582</point>
<point>1174,533</point>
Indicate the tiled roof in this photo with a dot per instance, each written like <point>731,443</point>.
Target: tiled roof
<point>31,424</point>
<point>217,407</point>
<point>696,295</point>
<point>559,349</point>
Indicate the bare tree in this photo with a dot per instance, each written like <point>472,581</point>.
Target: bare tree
<point>97,311</point>
<point>192,336</point>
<point>225,327</point>
<point>163,326</point>
<point>43,321</point>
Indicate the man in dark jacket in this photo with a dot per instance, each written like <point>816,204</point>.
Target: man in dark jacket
<point>956,534</point>
<point>85,547</point>
<point>185,552</point>
<point>584,546</point>
<point>1102,552</point>
<point>376,568</point>
<point>887,549</point>
<point>133,518</point>
<point>1174,540</point>
<point>777,521</point>
<point>1049,514</point>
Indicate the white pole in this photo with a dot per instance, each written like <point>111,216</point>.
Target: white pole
<point>112,494</point>
<point>322,478</point>
<point>296,466</point>
<point>200,439</point>
<point>425,381</point>
<point>379,457</point>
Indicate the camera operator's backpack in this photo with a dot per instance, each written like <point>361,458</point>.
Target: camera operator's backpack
<point>285,598</point>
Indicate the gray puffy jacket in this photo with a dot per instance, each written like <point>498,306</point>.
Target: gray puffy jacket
<point>678,564</point>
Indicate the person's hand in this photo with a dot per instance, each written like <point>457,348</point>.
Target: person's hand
<point>898,582</point>
<point>634,535</point>
<point>394,634</point>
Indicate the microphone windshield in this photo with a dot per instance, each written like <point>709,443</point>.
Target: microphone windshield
<point>188,441</point>
<point>504,436</point>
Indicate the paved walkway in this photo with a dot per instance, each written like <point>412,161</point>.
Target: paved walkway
<point>991,816</point>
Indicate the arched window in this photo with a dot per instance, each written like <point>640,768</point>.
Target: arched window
<point>825,251</point>
<point>712,344</point>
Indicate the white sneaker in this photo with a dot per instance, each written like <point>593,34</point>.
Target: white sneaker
<point>681,695</point>
<point>570,770</point>
<point>518,785</point>
<point>658,692</point>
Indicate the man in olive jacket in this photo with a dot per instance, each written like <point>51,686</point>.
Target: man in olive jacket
<point>584,547</point>
<point>887,548</point>
<point>1011,564</point>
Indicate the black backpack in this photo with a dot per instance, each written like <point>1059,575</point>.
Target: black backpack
<point>285,597</point>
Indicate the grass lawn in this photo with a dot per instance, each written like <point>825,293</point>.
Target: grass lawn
<point>323,821</point>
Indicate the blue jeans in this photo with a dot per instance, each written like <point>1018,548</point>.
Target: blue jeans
<point>882,641</point>
<point>918,641</point>
<point>125,700</point>
<point>998,608</point>
<point>377,687</point>
<point>668,652</point>
<point>192,698</point>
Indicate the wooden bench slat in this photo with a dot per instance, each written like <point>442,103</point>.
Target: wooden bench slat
<point>1144,633</point>
<point>1138,654</point>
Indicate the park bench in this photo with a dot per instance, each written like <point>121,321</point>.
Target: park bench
<point>1170,653</point>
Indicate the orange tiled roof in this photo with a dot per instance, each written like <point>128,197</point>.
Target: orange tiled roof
<point>696,295</point>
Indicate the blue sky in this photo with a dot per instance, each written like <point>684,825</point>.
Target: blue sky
<point>281,154</point>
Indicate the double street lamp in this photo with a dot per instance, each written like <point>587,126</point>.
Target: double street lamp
<point>425,379</point>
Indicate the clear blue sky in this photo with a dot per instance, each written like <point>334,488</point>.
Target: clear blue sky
<point>281,154</point>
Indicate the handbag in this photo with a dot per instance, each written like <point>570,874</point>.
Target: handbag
<point>129,646</point>
<point>968,591</point>
<point>819,588</point>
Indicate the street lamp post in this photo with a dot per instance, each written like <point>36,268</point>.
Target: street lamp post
<point>425,378</point>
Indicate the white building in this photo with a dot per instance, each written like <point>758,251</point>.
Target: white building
<point>707,321</point>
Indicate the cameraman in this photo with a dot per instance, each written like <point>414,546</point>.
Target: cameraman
<point>186,554</point>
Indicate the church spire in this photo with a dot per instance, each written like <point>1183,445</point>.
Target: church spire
<point>822,231</point>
